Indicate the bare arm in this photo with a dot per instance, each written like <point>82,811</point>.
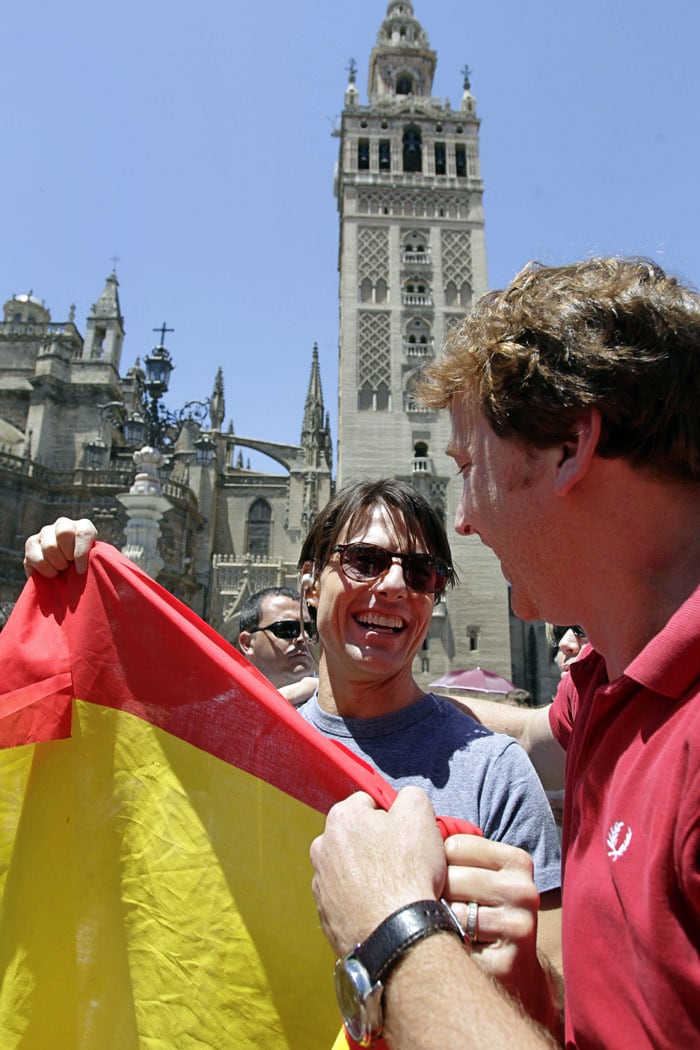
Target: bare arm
<point>299,692</point>
<point>51,550</point>
<point>437,999</point>
<point>530,727</point>
<point>369,862</point>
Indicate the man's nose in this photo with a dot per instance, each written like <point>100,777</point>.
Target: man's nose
<point>393,580</point>
<point>461,521</point>
<point>569,643</point>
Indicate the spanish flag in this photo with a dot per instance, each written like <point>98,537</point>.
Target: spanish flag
<point>157,802</point>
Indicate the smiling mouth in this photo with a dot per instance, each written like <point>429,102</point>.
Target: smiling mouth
<point>374,622</point>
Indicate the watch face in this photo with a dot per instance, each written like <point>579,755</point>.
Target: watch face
<point>359,1002</point>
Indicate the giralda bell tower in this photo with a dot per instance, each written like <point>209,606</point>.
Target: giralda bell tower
<point>412,261</point>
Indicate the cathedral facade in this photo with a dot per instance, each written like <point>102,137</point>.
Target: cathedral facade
<point>66,448</point>
<point>412,261</point>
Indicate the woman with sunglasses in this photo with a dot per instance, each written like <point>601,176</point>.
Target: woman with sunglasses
<point>375,562</point>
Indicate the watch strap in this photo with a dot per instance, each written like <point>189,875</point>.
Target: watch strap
<point>397,933</point>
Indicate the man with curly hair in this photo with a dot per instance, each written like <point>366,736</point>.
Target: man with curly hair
<point>574,395</point>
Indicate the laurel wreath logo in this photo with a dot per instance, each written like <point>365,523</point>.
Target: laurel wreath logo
<point>615,851</point>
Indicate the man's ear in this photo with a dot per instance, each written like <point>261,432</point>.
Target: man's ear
<point>578,452</point>
<point>308,583</point>
<point>245,643</point>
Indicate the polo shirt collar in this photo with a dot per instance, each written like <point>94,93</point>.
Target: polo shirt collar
<point>670,663</point>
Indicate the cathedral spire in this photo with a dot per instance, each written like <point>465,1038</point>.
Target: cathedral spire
<point>107,306</point>
<point>315,430</point>
<point>401,62</point>
<point>105,326</point>
<point>352,97</point>
<point>217,406</point>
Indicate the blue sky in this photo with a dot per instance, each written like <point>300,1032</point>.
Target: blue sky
<point>193,141</point>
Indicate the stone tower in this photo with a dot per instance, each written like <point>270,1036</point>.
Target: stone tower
<point>412,261</point>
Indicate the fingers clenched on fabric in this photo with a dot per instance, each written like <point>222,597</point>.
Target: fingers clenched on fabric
<point>55,546</point>
<point>369,862</point>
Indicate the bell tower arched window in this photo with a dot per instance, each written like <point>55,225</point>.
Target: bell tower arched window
<point>412,149</point>
<point>384,155</point>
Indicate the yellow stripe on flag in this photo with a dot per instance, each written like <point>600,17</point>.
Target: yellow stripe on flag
<point>155,896</point>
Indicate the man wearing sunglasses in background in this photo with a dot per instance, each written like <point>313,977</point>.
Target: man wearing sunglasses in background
<point>270,636</point>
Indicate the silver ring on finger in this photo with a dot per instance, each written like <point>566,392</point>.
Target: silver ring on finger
<point>473,922</point>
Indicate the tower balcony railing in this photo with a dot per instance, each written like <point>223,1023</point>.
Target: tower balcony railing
<point>417,258</point>
<point>417,299</point>
<point>411,405</point>
<point>258,571</point>
<point>33,328</point>
<point>113,478</point>
<point>419,349</point>
<point>423,465</point>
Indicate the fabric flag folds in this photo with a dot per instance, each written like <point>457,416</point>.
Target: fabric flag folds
<point>158,799</point>
<point>157,802</point>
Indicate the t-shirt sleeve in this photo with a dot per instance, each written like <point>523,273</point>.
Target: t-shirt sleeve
<point>514,809</point>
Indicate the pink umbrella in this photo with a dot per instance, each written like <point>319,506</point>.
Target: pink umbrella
<point>475,679</point>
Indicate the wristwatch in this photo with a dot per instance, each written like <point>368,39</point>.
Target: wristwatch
<point>360,976</point>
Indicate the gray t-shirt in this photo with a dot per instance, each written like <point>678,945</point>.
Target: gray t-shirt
<point>469,772</point>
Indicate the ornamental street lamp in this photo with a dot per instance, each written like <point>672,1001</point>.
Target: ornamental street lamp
<point>96,453</point>
<point>153,429</point>
<point>204,450</point>
<point>156,426</point>
<point>135,430</point>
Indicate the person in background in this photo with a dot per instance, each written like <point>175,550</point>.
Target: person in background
<point>272,638</point>
<point>566,644</point>
<point>574,398</point>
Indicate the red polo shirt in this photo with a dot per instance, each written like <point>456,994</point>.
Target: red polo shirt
<point>631,846</point>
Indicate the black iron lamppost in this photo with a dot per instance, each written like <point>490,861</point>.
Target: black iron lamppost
<point>150,432</point>
<point>156,425</point>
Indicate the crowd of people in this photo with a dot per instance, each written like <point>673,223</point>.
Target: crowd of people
<point>573,396</point>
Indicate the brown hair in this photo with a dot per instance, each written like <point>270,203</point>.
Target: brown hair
<point>618,335</point>
<point>353,505</point>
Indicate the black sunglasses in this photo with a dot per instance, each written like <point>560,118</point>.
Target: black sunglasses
<point>363,561</point>
<point>288,629</point>
<point>577,631</point>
